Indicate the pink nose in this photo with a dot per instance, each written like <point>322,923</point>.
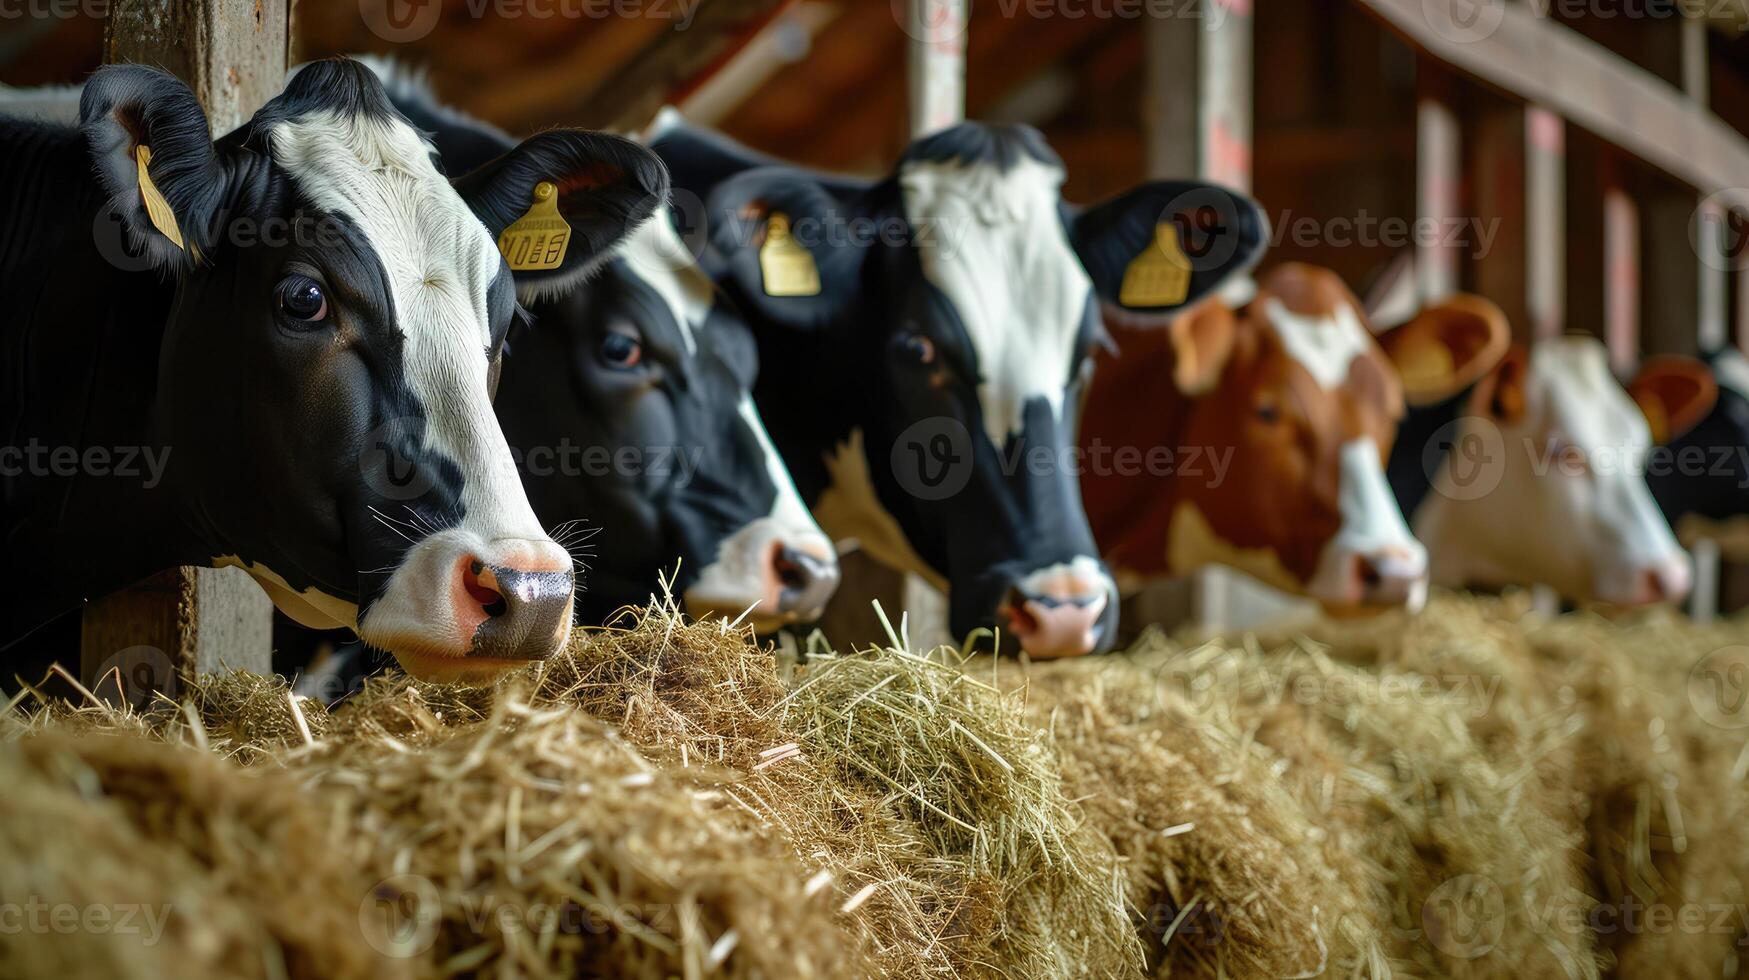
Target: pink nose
<point>1056,612</point>
<point>1663,582</point>
<point>800,577</point>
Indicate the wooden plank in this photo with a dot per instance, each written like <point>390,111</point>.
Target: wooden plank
<point>1542,62</point>
<point>935,64</point>
<point>1197,113</point>
<point>1546,221</point>
<point>1621,275</point>
<point>232,53</point>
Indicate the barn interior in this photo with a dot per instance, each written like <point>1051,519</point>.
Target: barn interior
<point>1505,783</point>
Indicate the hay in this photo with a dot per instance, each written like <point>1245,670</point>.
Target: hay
<point>1470,793</point>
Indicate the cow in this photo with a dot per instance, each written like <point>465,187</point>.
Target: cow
<point>1252,431</point>
<point>628,400</point>
<point>297,326</point>
<point>1700,478</point>
<point>924,341</point>
<point>1536,475</point>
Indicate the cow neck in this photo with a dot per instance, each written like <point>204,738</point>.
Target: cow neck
<point>814,390</point>
<point>1131,515</point>
<point>80,355</point>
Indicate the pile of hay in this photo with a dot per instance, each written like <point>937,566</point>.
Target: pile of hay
<point>659,801</point>
<point>1473,792</point>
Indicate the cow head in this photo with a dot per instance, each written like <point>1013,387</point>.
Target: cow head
<point>1544,482</point>
<point>326,366</point>
<point>1295,407</point>
<point>954,306</point>
<point>647,366</point>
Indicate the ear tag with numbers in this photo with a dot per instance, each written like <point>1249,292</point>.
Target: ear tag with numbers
<point>787,268</point>
<point>537,240</point>
<point>1160,276</point>
<point>157,208</point>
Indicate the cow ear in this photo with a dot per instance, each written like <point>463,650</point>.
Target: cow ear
<point>776,248</point>
<point>1166,244</point>
<point>1202,341</point>
<point>155,160</point>
<point>559,202</point>
<point>1447,347</point>
<point>1675,393</point>
<point>1502,394</point>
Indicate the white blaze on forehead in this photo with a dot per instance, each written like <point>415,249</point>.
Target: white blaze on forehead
<point>656,254</point>
<point>787,508</point>
<point>439,261</point>
<point>993,242</point>
<point>1325,345</point>
<point>1570,379</point>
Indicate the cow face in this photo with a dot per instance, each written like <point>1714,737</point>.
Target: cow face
<point>1294,408</point>
<point>946,316</point>
<point>1699,412</point>
<point>1544,482</point>
<point>647,366</point>
<point>326,389</point>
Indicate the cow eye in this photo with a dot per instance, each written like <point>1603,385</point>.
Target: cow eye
<point>301,298</point>
<point>1268,413</point>
<point>621,350</point>
<point>918,347</point>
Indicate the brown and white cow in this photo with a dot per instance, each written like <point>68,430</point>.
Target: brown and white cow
<point>1252,432</point>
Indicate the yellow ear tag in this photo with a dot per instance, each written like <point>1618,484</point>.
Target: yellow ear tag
<point>787,268</point>
<point>157,208</point>
<point>1160,276</point>
<point>537,240</point>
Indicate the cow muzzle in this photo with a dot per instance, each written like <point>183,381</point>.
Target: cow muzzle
<point>768,575</point>
<point>1059,611</point>
<point>1389,577</point>
<point>462,610</point>
<point>1646,583</point>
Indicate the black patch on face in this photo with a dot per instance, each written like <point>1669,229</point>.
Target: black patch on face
<point>659,458</point>
<point>1720,490</point>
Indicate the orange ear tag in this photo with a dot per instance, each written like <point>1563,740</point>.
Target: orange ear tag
<point>1160,276</point>
<point>787,268</point>
<point>537,241</point>
<point>157,208</point>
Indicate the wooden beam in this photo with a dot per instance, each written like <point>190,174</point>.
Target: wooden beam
<point>1539,61</point>
<point>232,53</point>
<point>935,64</point>
<point>1621,273</point>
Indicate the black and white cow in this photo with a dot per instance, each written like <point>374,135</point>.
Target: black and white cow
<point>1701,478</point>
<point>924,341</point>
<point>298,327</point>
<point>629,402</point>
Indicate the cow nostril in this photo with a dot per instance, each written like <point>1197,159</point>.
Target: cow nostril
<point>1021,621</point>
<point>1652,586</point>
<point>791,568</point>
<point>482,586</point>
<point>1367,572</point>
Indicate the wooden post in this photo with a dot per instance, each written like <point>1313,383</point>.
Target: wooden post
<point>1438,180</point>
<point>935,64</point>
<point>1521,183</point>
<point>232,53</point>
<point>1197,114</point>
<point>1621,272</point>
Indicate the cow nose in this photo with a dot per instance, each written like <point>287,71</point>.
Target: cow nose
<point>1664,582</point>
<point>801,580</point>
<point>1056,612</point>
<point>523,613</point>
<point>1390,577</point>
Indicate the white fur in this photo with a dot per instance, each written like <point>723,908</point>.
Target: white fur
<point>656,253</point>
<point>1731,370</point>
<point>1324,345</point>
<point>994,243</point>
<point>439,261</point>
<point>1592,535</point>
<point>1372,529</point>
